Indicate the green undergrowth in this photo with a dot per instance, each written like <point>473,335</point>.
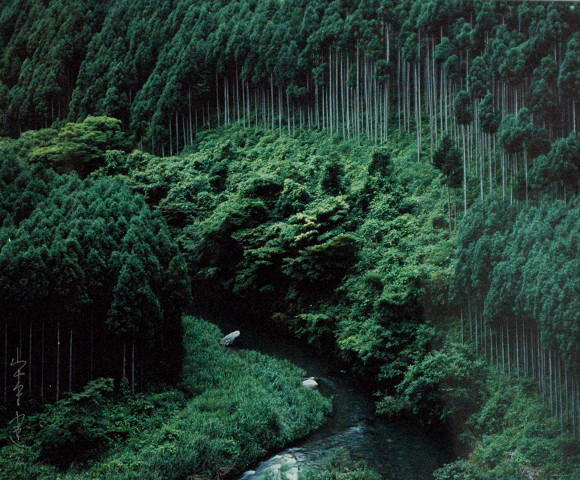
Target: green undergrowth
<point>513,436</point>
<point>509,433</point>
<point>232,408</point>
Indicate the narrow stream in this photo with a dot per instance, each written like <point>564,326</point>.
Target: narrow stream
<point>396,449</point>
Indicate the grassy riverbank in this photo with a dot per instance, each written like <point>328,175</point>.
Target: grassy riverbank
<point>230,410</point>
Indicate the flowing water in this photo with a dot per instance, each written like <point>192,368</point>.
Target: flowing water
<point>396,449</point>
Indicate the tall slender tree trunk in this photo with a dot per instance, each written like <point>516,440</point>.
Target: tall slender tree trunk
<point>6,362</point>
<point>124,360</point>
<point>449,208</point>
<point>133,365</point>
<point>92,350</point>
<point>70,362</point>
<point>464,171</point>
<point>57,360</point>
<point>30,360</point>
<point>42,363</point>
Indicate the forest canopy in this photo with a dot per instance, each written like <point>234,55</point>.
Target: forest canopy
<point>394,182</point>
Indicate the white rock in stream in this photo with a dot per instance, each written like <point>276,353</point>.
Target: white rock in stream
<point>310,382</point>
<point>230,337</point>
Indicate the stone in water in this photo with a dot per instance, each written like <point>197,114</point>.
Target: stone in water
<point>230,337</point>
<point>310,382</point>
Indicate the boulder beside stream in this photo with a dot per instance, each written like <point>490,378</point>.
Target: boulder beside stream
<point>310,382</point>
<point>230,337</point>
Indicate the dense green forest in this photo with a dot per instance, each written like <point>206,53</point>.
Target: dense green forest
<point>394,182</point>
<point>87,267</point>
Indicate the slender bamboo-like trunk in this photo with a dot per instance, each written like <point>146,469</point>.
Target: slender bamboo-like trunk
<point>358,112</point>
<point>517,350</point>
<point>57,360</point>
<point>561,403</point>
<point>464,172</point>
<point>272,100</point>
<point>42,362</point>
<point>70,362</point>
<point>184,130</point>
<point>170,139</point>
<point>280,111</point>
<point>30,360</point>
<point>176,133</point>
<point>509,358</point>
<point>526,169</point>
<point>217,97</point>
<point>190,115</point>
<point>551,383</point>
<point>399,87</point>
<point>449,207</point>
<point>502,349</point>
<point>6,363</point>
<point>133,366</point>
<point>92,348</point>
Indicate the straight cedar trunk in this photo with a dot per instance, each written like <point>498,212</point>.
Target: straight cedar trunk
<point>176,133</point>
<point>526,169</point>
<point>399,87</point>
<point>170,140</point>
<point>133,366</point>
<point>217,97</point>
<point>70,362</point>
<point>464,172</point>
<point>517,350</point>
<point>358,112</point>
<point>524,347</point>
<point>342,95</point>
<point>330,99</point>
<point>237,93</point>
<point>449,208</point>
<point>184,129</point>
<point>272,100</point>
<point>190,117</point>
<point>497,349</point>
<point>5,363</point>
<point>30,360</point>
<point>551,383</point>
<point>92,349</point>
<point>509,350</point>
<point>543,371</point>
<point>42,363</point>
<point>58,360</point>
<point>124,360</point>
<point>280,111</point>
<point>418,89</point>
<point>567,394</point>
<point>559,390</point>
<point>502,349</point>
